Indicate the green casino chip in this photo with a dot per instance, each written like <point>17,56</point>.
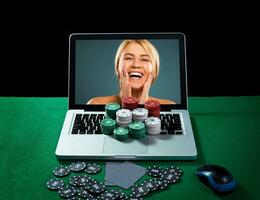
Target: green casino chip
<point>121,133</point>
<point>111,110</point>
<point>108,125</point>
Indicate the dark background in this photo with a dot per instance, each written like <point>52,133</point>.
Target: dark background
<point>222,44</point>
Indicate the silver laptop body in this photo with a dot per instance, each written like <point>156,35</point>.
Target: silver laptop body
<point>179,145</point>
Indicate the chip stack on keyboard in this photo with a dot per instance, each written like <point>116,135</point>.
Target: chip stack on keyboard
<point>153,108</point>
<point>111,110</point>
<point>129,102</point>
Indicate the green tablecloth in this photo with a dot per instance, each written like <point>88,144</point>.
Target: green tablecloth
<point>227,132</point>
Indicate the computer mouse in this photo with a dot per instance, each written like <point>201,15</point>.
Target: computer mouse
<point>218,178</point>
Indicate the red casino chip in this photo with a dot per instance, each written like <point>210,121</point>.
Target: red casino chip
<point>153,108</point>
<point>129,102</point>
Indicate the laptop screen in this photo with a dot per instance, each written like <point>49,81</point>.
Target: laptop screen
<point>106,67</point>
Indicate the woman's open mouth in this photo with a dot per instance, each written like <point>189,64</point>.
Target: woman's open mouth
<point>135,75</point>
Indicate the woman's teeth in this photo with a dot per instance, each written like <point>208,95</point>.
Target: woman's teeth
<point>135,74</point>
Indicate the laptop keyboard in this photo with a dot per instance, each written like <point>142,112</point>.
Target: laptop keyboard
<point>90,124</point>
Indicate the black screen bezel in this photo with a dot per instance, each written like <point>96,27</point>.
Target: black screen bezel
<point>107,36</point>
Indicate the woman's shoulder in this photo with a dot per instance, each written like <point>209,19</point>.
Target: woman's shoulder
<point>104,100</point>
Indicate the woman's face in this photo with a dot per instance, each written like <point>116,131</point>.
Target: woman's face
<point>137,64</point>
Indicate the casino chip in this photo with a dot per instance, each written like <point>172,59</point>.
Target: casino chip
<point>151,184</point>
<point>111,110</point>
<point>81,192</point>
<point>108,125</point>
<point>92,168</point>
<point>170,177</point>
<point>153,107</point>
<point>55,184</point>
<point>129,102</point>
<point>140,190</point>
<point>140,114</point>
<point>153,125</point>
<point>162,183</point>
<point>123,117</point>
<point>154,171</point>
<point>109,195</point>
<point>121,133</point>
<point>137,130</point>
<point>82,180</point>
<point>95,187</point>
<point>77,166</point>
<point>176,170</point>
<point>73,181</point>
<point>67,192</point>
<point>61,171</point>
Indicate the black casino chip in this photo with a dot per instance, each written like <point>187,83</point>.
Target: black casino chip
<point>92,168</point>
<point>162,183</point>
<point>67,192</point>
<point>61,171</point>
<point>77,166</point>
<point>151,184</point>
<point>74,198</point>
<point>109,195</point>
<point>55,184</point>
<point>171,177</point>
<point>173,169</point>
<point>82,180</point>
<point>140,190</point>
<point>121,194</point>
<point>81,192</point>
<point>154,171</point>
<point>95,187</point>
<point>73,181</point>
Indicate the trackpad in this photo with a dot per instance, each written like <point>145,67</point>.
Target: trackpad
<point>128,147</point>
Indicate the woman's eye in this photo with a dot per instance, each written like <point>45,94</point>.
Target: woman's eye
<point>145,60</point>
<point>128,58</point>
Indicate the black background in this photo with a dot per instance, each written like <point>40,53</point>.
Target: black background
<point>221,44</point>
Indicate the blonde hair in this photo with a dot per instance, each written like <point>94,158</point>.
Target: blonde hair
<point>149,49</point>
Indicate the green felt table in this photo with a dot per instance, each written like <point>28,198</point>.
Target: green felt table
<point>227,132</point>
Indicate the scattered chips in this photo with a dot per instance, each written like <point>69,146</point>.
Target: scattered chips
<point>55,184</point>
<point>83,186</point>
<point>61,171</point>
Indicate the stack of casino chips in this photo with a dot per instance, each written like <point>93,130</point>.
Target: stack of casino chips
<point>121,133</point>
<point>111,110</point>
<point>129,102</point>
<point>137,130</point>
<point>123,117</point>
<point>153,107</point>
<point>108,125</point>
<point>153,125</point>
<point>140,114</point>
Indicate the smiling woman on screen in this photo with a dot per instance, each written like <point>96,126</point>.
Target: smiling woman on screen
<point>137,65</point>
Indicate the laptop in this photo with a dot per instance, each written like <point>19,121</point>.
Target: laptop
<point>97,74</point>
